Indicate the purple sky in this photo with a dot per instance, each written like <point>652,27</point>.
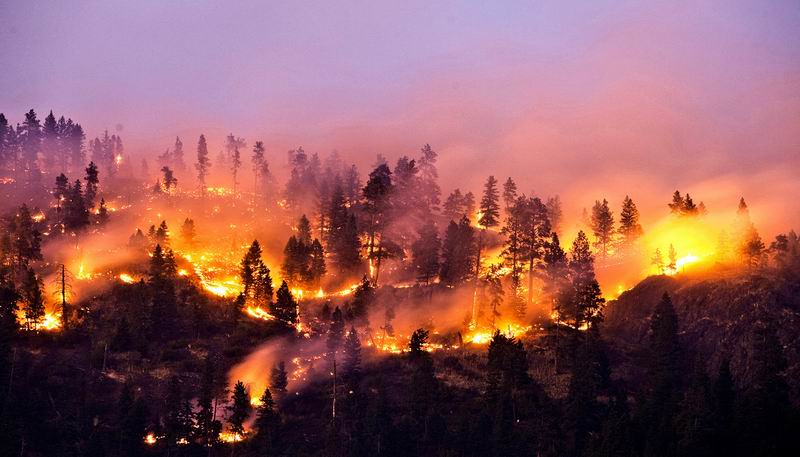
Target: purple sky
<point>619,97</point>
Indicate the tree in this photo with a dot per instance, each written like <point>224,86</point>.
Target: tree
<point>279,380</point>
<point>377,193</point>
<point>170,182</point>
<point>673,259</point>
<point>177,155</point>
<point>429,191</point>
<point>658,261</point>
<point>30,138</point>
<point>266,423</point>
<point>76,212</point>
<point>92,181</point>
<point>509,194</point>
<point>351,367</point>
<point>203,163</point>
<point>535,233</point>
<point>102,212</point>
<point>362,300</point>
<point>188,232</point>
<point>458,250</point>
<point>316,263</point>
<point>208,427</point>
<point>602,227</point>
<point>580,301</point>
<point>240,409</point>
<point>677,204</point>
<point>425,252</point>
<point>177,415</point>
<point>32,299</point>
<point>662,386</point>
<point>555,213</point>
<point>629,228</point>
<point>335,332</point>
<point>236,163</point>
<point>285,307</point>
<point>752,248</point>
<point>258,164</point>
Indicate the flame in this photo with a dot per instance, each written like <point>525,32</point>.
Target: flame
<point>150,439</point>
<point>686,260</point>
<point>230,437</point>
<point>126,278</point>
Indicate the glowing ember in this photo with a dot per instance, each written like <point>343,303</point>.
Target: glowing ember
<point>150,439</point>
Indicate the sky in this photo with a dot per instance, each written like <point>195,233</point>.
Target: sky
<point>588,99</point>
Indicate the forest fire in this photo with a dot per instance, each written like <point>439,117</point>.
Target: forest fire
<point>258,259</point>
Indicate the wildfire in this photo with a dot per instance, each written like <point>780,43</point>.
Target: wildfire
<point>230,437</point>
<point>483,336</point>
<point>126,278</point>
<point>259,313</point>
<point>686,260</point>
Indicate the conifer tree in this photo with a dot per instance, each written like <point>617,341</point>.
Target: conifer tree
<point>509,194</point>
<point>458,251</point>
<point>677,204</point>
<point>662,389</point>
<point>658,261</point>
<point>92,181</point>
<point>554,213</point>
<point>188,232</point>
<point>76,212</point>
<point>240,409</point>
<point>279,379</point>
<point>285,307</point>
<point>335,332</point>
<point>351,366</point>
<point>33,299</point>
<point>203,164</point>
<point>177,155</point>
<point>266,424</point>
<point>208,427</point>
<point>425,252</point>
<point>602,227</point>
<point>629,228</point>
<point>672,257</point>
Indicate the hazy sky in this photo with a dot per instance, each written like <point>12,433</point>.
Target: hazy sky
<point>624,96</point>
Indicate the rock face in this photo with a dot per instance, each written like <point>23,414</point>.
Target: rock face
<point>716,313</point>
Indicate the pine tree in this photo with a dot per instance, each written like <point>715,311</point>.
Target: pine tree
<point>102,212</point>
<point>658,261</point>
<point>677,204</point>
<point>285,307</point>
<point>430,191</point>
<point>509,194</point>
<point>258,165</point>
<point>177,155</point>
<point>92,181</point>
<point>236,163</point>
<point>30,137</point>
<point>335,332</point>
<point>458,250</point>
<point>170,182</point>
<point>425,252</point>
<point>629,228</point>
<point>377,193</point>
<point>351,366</point>
<point>240,409</point>
<point>662,385</point>
<point>203,163</point>
<point>279,379</point>
<point>672,256</point>
<point>266,424</point>
<point>602,227</point>
<point>32,299</point>
<point>316,265</point>
<point>208,427</point>
<point>76,212</point>
<point>555,213</point>
<point>178,415</point>
<point>535,233</point>
<point>188,232</point>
